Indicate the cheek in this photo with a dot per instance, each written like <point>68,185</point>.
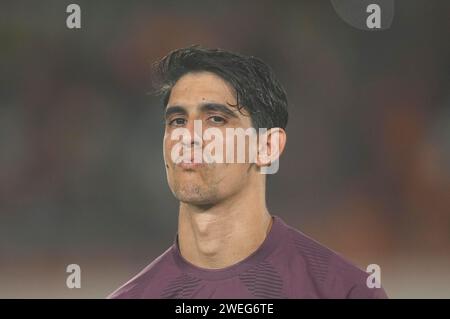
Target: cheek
<point>231,174</point>
<point>230,179</point>
<point>240,152</point>
<point>167,147</point>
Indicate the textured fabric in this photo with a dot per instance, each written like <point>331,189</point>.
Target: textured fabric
<point>288,264</point>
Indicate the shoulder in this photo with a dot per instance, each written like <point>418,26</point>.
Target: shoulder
<point>150,275</point>
<point>332,275</point>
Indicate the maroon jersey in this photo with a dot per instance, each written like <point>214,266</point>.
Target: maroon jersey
<point>288,264</point>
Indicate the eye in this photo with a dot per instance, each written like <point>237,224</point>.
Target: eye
<point>179,121</point>
<point>217,120</point>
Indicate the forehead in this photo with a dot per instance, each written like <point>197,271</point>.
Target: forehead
<point>195,88</point>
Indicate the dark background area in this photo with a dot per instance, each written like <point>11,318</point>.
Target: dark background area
<point>367,165</point>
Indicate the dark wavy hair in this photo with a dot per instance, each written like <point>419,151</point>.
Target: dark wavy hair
<point>257,90</point>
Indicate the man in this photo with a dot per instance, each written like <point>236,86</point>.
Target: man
<point>228,245</point>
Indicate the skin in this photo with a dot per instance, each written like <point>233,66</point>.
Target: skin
<point>223,216</point>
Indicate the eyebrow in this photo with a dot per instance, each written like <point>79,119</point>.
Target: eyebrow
<point>174,110</point>
<point>205,107</point>
<point>217,107</point>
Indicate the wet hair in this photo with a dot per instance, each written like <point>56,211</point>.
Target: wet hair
<point>257,90</point>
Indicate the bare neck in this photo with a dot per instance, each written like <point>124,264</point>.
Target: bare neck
<point>223,234</point>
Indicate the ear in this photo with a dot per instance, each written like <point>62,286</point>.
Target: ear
<point>271,145</point>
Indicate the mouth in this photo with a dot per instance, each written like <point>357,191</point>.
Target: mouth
<point>190,166</point>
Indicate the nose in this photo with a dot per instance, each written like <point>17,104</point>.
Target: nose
<point>195,137</point>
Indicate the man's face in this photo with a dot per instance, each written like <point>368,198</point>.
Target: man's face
<point>205,97</point>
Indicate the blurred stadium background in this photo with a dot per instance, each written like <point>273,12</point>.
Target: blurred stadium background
<point>367,166</point>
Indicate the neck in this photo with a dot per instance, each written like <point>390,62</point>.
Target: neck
<point>225,233</point>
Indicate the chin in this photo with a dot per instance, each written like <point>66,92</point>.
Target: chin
<point>194,194</point>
